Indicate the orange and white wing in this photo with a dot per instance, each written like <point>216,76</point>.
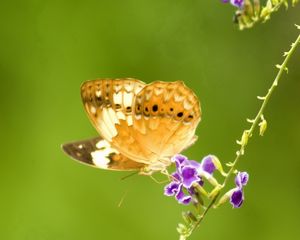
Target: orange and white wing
<point>109,105</point>
<point>97,152</point>
<point>166,116</point>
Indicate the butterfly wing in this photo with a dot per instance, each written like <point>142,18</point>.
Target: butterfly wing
<point>141,126</point>
<point>109,105</point>
<point>98,153</point>
<point>165,117</point>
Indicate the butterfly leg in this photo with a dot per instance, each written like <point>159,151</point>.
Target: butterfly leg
<point>158,181</point>
<point>165,172</point>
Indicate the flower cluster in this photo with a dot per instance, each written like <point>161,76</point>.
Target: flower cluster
<point>188,174</point>
<point>249,12</point>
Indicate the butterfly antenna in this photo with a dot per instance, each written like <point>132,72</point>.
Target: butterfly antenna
<point>129,175</point>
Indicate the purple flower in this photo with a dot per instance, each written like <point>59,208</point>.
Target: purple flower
<point>236,3</point>
<point>237,197</point>
<point>208,165</point>
<point>187,174</point>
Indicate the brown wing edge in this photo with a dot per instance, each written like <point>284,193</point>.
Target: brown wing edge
<point>81,151</point>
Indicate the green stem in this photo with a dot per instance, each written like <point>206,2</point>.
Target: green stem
<point>255,122</point>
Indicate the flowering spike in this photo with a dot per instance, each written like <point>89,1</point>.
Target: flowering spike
<point>297,26</point>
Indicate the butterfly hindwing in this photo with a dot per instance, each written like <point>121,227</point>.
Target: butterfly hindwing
<point>165,117</point>
<point>98,153</point>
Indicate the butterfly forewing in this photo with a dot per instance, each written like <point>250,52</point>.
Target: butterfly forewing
<point>97,152</point>
<point>109,104</point>
<point>107,101</point>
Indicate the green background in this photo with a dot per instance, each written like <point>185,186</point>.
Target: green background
<point>48,48</point>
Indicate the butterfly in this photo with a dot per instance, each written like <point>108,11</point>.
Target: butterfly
<point>141,126</point>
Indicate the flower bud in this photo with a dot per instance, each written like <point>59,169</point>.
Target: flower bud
<point>225,198</point>
<point>200,190</point>
<point>189,217</point>
<point>256,6</point>
<point>266,11</point>
<point>248,8</point>
<point>262,127</point>
<point>215,191</point>
<point>244,140</point>
<point>181,229</point>
<point>218,165</point>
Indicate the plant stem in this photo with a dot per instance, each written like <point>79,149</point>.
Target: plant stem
<point>255,122</point>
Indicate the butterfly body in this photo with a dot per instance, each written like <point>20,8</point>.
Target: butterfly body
<point>141,126</point>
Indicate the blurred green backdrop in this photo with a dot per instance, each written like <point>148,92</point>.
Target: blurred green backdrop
<point>48,48</point>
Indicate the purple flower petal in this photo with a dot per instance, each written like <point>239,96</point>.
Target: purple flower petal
<point>194,164</point>
<point>172,188</point>
<point>176,177</point>
<point>189,176</point>
<point>182,198</point>
<point>241,179</point>
<point>236,3</point>
<point>208,165</point>
<point>179,160</point>
<point>237,198</point>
